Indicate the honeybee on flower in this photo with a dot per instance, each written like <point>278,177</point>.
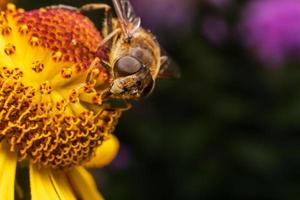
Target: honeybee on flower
<point>57,77</point>
<point>134,57</point>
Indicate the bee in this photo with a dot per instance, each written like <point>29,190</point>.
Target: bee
<point>135,57</point>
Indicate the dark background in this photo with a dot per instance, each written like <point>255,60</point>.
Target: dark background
<point>227,129</point>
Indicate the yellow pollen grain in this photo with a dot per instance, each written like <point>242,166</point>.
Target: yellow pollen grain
<point>11,7</point>
<point>66,73</point>
<point>24,29</point>
<point>34,41</point>
<point>9,49</point>
<point>45,88</point>
<point>21,10</point>
<point>37,66</point>
<point>57,56</point>
<point>6,30</point>
<point>74,96</point>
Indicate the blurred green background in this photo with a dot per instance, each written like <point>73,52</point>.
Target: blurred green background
<point>227,129</point>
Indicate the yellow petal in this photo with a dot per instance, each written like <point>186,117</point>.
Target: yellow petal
<point>47,184</point>
<point>84,184</point>
<point>105,153</point>
<point>8,164</point>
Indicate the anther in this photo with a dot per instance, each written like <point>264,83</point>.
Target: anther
<point>10,49</point>
<point>11,8</point>
<point>20,10</point>
<point>97,98</point>
<point>37,66</point>
<point>57,56</point>
<point>73,97</point>
<point>61,105</point>
<point>3,18</point>
<point>45,88</point>
<point>95,73</point>
<point>34,41</point>
<point>66,72</point>
<point>23,29</point>
<point>6,30</point>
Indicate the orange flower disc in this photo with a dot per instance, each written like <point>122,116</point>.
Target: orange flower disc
<point>65,32</point>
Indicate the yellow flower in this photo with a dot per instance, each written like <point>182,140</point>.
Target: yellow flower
<point>52,117</point>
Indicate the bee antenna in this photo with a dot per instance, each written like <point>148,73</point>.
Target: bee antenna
<point>107,38</point>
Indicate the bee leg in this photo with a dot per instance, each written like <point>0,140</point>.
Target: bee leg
<point>84,8</point>
<point>66,7</point>
<point>107,26</point>
<point>119,104</point>
<point>107,13</point>
<point>128,106</point>
<point>108,39</point>
<point>95,6</point>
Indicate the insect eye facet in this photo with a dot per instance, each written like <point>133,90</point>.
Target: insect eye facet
<point>127,65</point>
<point>143,54</point>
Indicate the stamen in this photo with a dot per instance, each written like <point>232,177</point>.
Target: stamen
<point>57,56</point>
<point>37,66</point>
<point>24,29</point>
<point>5,30</point>
<point>10,49</point>
<point>34,41</point>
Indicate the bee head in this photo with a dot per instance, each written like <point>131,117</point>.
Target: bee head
<point>135,64</point>
<point>132,79</point>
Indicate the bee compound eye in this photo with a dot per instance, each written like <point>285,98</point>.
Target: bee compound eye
<point>143,54</point>
<point>127,65</point>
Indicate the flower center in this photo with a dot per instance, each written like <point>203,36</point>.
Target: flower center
<point>51,86</point>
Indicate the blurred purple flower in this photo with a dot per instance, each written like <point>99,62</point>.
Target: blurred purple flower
<point>272,29</point>
<point>158,14</point>
<point>219,3</point>
<point>214,29</point>
<point>122,160</point>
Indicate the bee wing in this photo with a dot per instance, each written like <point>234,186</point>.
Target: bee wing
<point>129,21</point>
<point>168,67</point>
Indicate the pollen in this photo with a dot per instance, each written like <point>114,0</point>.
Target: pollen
<point>23,29</point>
<point>51,85</point>
<point>9,49</point>
<point>5,30</point>
<point>37,66</point>
<point>34,41</point>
